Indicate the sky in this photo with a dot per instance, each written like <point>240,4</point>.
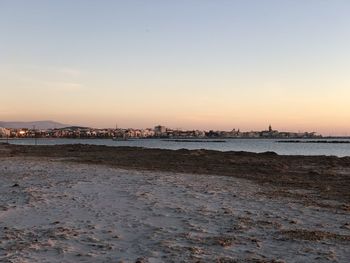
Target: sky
<point>190,64</point>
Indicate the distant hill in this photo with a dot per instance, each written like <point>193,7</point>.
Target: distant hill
<point>42,125</point>
<point>76,128</point>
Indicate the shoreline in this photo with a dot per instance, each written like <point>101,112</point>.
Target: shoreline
<point>327,176</point>
<point>183,138</point>
<point>314,147</point>
<point>312,141</point>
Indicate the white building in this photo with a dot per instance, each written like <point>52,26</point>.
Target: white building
<point>4,132</point>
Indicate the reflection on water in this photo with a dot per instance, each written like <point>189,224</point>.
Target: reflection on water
<point>250,145</point>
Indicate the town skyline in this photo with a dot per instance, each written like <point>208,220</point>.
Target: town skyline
<point>53,125</point>
<point>159,131</point>
<point>227,127</point>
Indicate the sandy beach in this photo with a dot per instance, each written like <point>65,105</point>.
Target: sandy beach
<point>61,208</point>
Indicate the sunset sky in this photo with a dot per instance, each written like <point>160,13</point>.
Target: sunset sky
<point>218,64</point>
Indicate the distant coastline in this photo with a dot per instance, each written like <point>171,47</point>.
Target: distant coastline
<point>311,141</point>
<point>39,130</point>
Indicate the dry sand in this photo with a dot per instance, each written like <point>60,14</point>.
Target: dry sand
<point>54,211</point>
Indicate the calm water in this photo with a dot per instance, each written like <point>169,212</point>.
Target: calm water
<point>251,145</point>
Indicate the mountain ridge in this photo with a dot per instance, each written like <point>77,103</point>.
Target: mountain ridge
<point>45,124</point>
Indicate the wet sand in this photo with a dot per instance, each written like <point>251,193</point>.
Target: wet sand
<point>103,204</point>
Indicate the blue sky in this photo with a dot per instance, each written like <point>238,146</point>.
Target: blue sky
<point>206,64</point>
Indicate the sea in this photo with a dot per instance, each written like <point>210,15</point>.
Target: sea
<point>302,147</point>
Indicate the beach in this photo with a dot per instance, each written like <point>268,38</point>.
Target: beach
<point>82,203</point>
